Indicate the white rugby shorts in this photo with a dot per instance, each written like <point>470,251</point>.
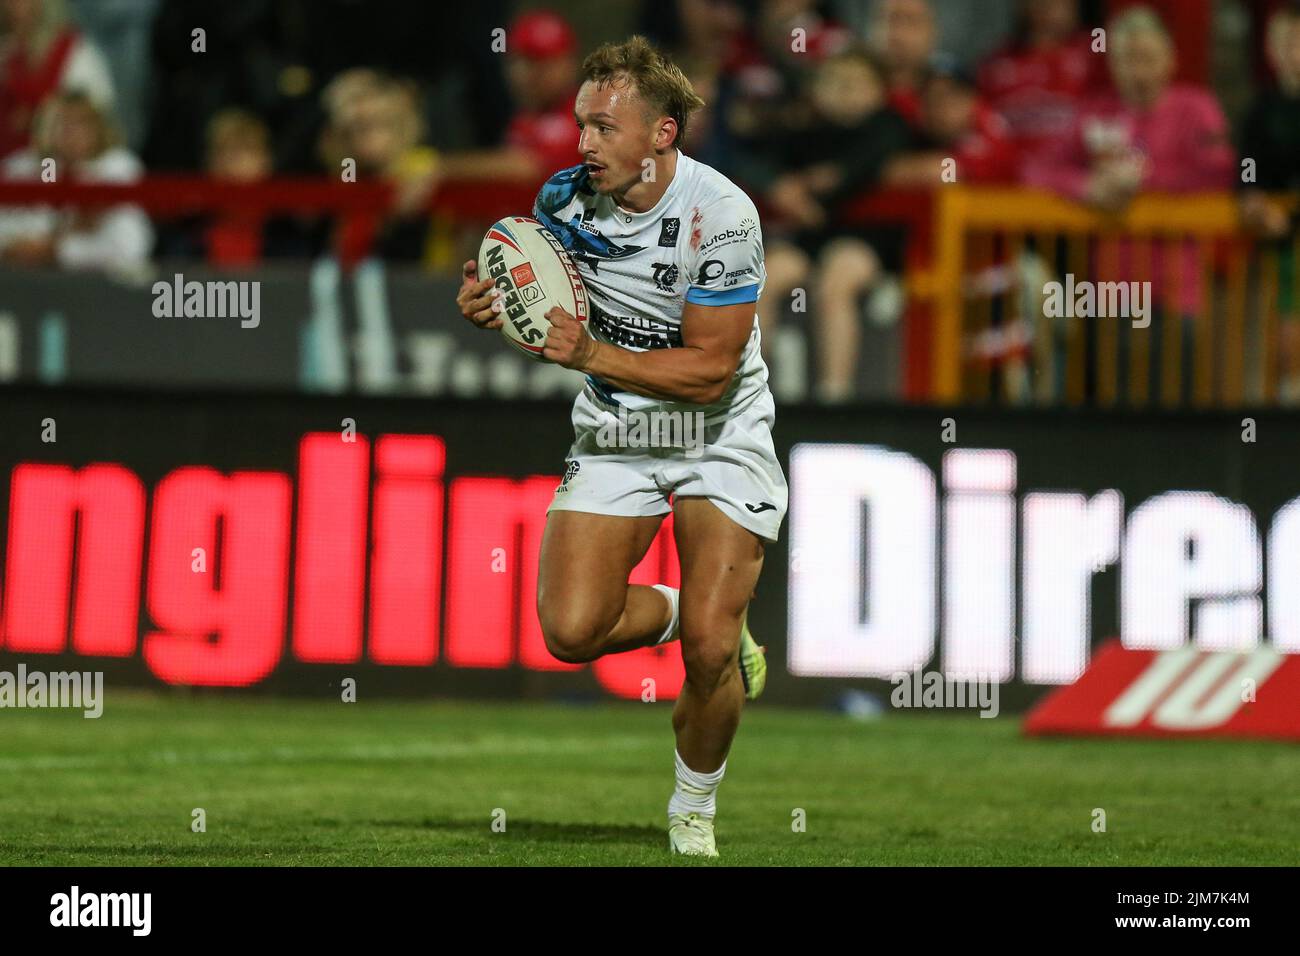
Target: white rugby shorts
<point>732,463</point>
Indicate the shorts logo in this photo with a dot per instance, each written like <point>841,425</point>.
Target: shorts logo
<point>760,507</point>
<point>668,230</point>
<point>571,468</point>
<point>523,274</point>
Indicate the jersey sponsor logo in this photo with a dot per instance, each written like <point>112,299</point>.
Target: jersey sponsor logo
<point>733,278</point>
<point>668,230</point>
<point>637,332</point>
<point>712,269</point>
<point>665,276</point>
<point>729,236</point>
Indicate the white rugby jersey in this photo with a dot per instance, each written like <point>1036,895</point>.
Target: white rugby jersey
<point>700,243</point>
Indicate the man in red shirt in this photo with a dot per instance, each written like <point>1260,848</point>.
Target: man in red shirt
<point>541,137</point>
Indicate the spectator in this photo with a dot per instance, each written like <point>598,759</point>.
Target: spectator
<point>904,36</point>
<point>541,136</point>
<point>1149,135</point>
<point>374,121</point>
<point>41,53</point>
<point>1271,139</point>
<point>771,66</point>
<point>710,41</point>
<point>956,124</point>
<point>853,136</point>
<point>1038,81</point>
<point>238,152</point>
<point>73,132</point>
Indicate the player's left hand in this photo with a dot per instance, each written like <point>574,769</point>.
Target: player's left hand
<point>567,342</point>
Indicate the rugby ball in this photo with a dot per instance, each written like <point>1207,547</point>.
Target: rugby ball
<point>535,274</point>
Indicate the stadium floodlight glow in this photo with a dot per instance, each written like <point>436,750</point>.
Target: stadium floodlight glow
<point>864,582</point>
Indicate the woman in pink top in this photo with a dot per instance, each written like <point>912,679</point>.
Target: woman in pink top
<point>1150,135</point>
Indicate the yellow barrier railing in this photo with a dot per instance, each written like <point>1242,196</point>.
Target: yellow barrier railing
<point>1218,297</point>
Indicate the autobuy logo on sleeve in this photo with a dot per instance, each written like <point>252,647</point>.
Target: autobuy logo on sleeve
<point>102,909</point>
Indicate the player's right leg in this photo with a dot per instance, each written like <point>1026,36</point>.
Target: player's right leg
<point>584,603</point>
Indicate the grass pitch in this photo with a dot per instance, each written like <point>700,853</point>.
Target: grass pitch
<point>293,782</point>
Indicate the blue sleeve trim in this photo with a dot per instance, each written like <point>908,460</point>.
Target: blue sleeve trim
<point>747,293</point>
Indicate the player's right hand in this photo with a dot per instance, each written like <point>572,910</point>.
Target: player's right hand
<point>475,299</point>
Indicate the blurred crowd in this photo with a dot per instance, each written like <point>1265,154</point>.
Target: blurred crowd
<point>809,105</point>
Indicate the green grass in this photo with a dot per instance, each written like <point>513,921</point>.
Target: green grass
<point>312,783</point>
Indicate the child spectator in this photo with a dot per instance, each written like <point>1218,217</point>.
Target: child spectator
<point>956,124</point>
<point>853,137</point>
<point>238,152</point>
<point>74,133</point>
<point>374,120</point>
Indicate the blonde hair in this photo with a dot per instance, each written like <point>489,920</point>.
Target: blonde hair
<point>660,83</point>
<point>43,122</point>
<point>234,125</point>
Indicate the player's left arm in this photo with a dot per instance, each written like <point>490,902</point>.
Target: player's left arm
<point>713,339</point>
<point>725,274</point>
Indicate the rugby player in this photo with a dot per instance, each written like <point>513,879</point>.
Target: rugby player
<point>671,253</point>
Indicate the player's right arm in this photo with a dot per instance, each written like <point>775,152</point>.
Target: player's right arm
<point>475,298</point>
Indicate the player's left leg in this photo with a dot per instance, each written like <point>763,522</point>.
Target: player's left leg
<point>720,563</point>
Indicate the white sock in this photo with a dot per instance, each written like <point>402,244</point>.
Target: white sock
<point>695,790</point>
<point>670,632</point>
